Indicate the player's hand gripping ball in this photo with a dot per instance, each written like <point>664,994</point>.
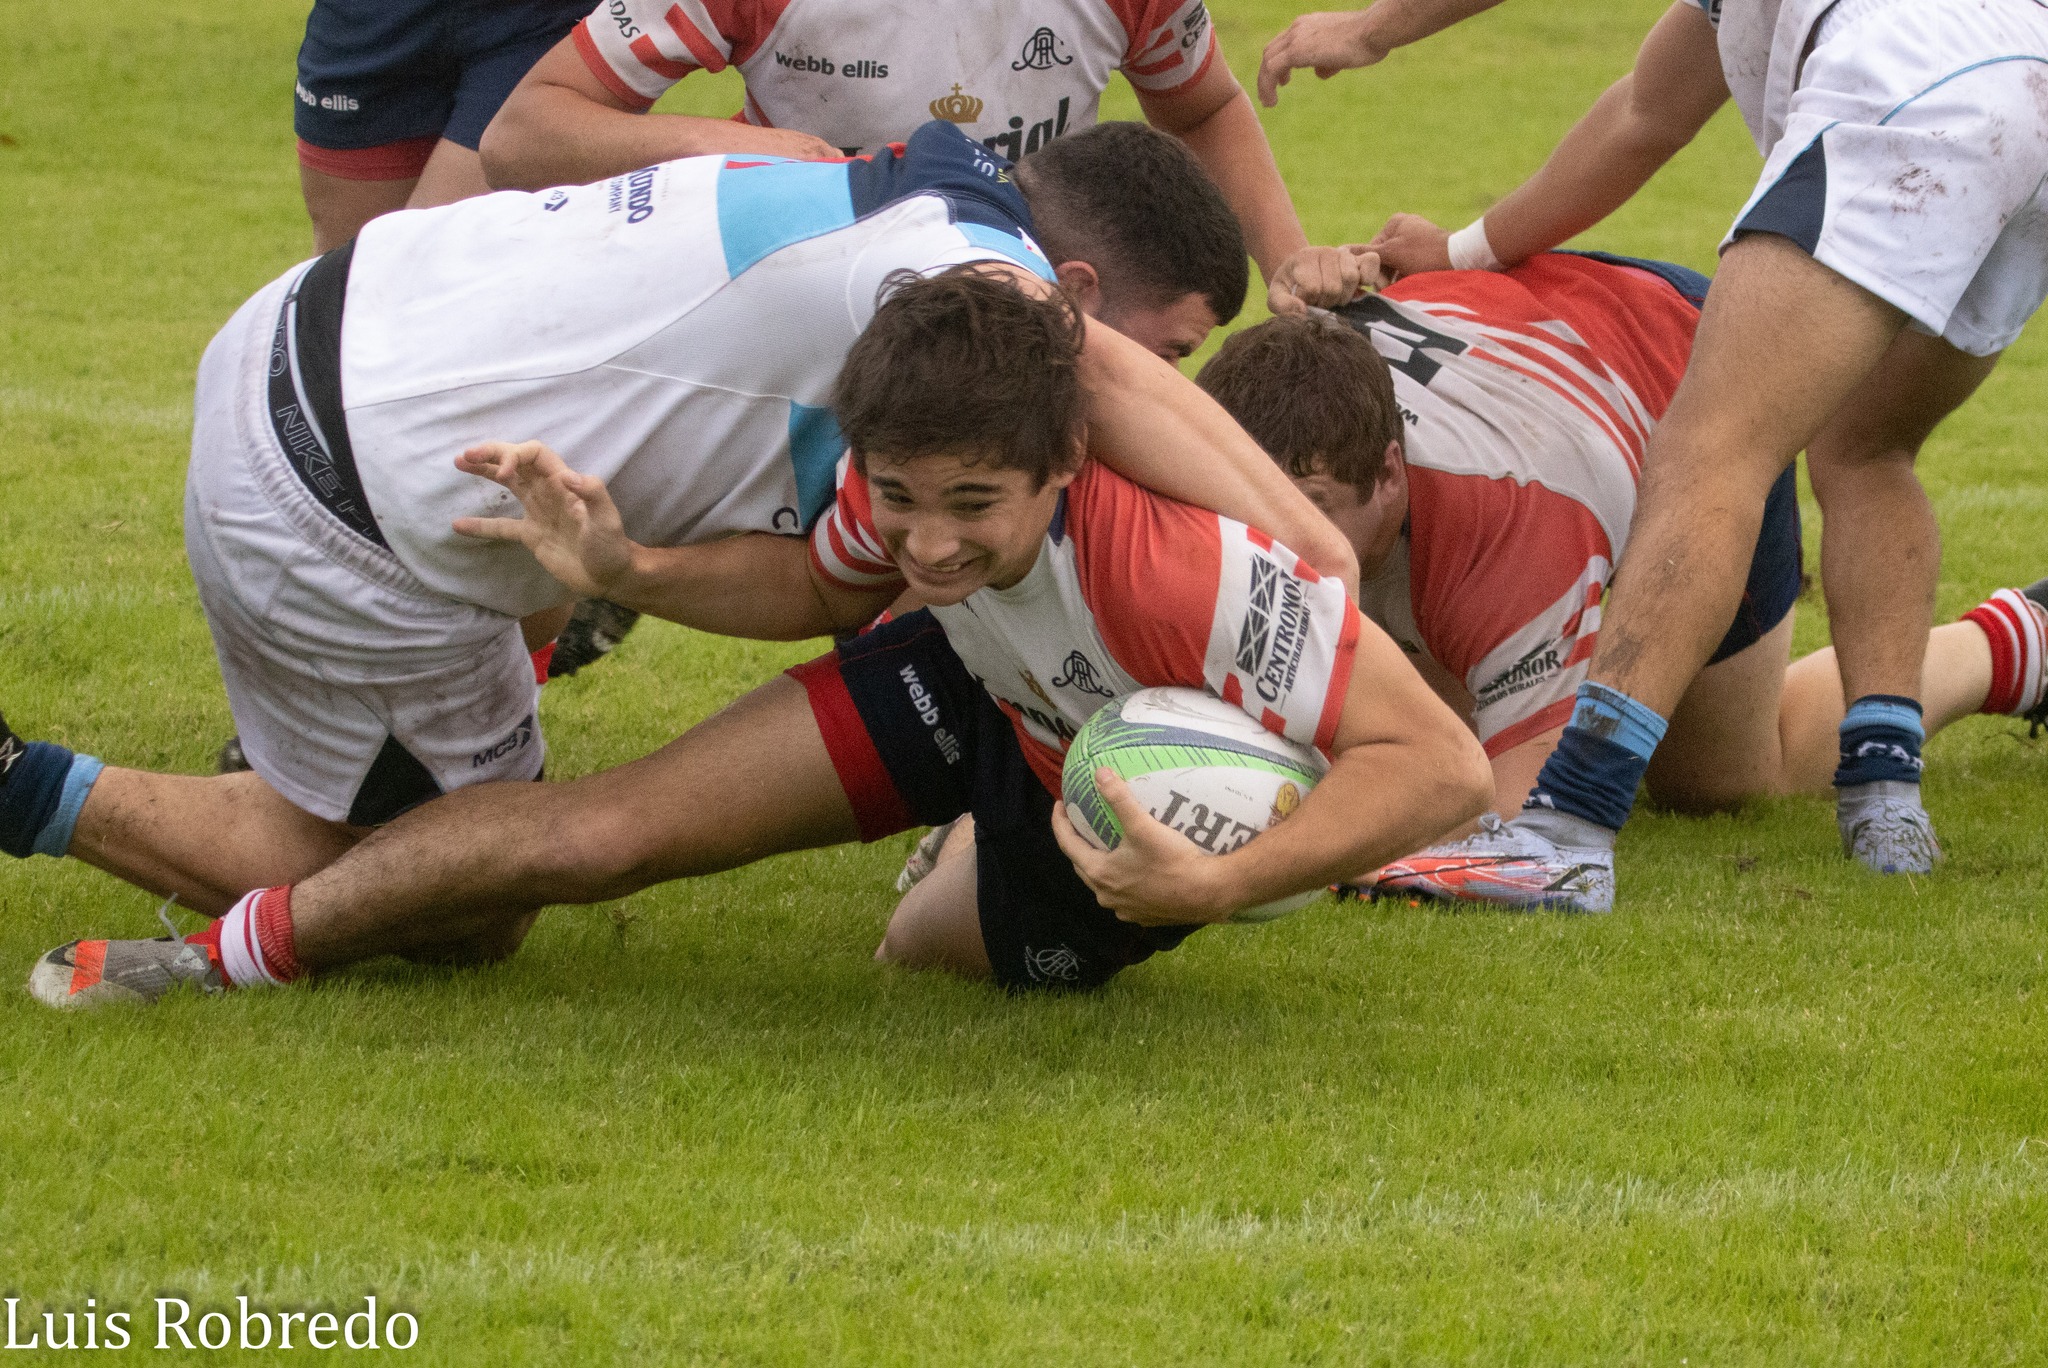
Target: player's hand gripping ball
<point>1200,766</point>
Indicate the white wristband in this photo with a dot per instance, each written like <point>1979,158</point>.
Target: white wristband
<point>1470,251</point>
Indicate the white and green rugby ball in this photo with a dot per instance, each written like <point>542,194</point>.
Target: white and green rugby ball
<point>1199,765</point>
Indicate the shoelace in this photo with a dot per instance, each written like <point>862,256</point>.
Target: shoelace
<point>163,914</point>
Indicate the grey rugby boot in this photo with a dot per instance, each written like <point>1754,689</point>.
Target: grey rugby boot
<point>95,973</point>
<point>1885,828</point>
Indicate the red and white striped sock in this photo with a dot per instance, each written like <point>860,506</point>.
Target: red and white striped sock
<point>255,939</point>
<point>2017,629</point>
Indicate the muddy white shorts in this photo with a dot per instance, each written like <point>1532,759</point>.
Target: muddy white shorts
<point>1915,162</point>
<point>357,691</point>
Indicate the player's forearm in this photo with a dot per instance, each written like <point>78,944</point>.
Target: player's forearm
<point>756,586</point>
<point>546,134</point>
<point>1392,24</point>
<point>1378,802</point>
<point>1232,147</point>
<point>1149,422</point>
<point>1599,166</point>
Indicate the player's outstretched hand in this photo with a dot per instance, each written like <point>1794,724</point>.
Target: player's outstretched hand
<point>571,526</point>
<point>1410,244</point>
<point>1323,278</point>
<point>785,142</point>
<point>1328,42</point>
<point>1155,876</point>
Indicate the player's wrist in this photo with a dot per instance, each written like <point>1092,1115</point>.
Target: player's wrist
<point>1471,250</point>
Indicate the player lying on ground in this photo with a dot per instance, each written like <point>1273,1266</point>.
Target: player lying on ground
<point>677,332</point>
<point>1054,584</point>
<point>1484,470</point>
<point>830,76</point>
<point>1895,244</point>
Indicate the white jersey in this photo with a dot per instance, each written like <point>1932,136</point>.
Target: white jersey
<point>675,332</point>
<point>859,74</point>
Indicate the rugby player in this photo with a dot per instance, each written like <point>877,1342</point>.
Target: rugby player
<point>1895,244</point>
<point>826,77</point>
<point>1053,584</point>
<point>1477,437</point>
<point>392,100</point>
<point>677,331</point>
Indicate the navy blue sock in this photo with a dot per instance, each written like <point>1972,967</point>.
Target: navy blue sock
<point>1600,759</point>
<point>42,789</point>
<point>1881,736</point>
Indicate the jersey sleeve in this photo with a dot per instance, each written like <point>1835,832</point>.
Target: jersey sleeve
<point>1170,43</point>
<point>1184,596</point>
<point>1506,581</point>
<point>846,552</point>
<point>639,48</point>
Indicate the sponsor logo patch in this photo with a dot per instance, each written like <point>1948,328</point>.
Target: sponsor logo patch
<point>1052,964</point>
<point>1537,664</point>
<point>1079,674</point>
<point>520,738</point>
<point>1043,51</point>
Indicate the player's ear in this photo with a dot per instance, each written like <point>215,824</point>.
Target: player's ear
<point>1083,285</point>
<point>1393,481</point>
<point>1060,479</point>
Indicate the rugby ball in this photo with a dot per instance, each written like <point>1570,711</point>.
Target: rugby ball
<point>1199,765</point>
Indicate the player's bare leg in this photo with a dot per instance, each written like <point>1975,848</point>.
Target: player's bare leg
<point>938,923</point>
<point>463,876</point>
<point>208,839</point>
<point>1726,743</point>
<point>1880,546</point>
<point>1751,727</point>
<point>1782,342</point>
<point>339,206</point>
<point>453,172</point>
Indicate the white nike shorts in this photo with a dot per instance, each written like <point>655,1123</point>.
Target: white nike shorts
<point>357,691</point>
<point>1915,162</point>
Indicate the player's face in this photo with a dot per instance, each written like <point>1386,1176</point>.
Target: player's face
<point>1172,331</point>
<point>1370,522</point>
<point>954,524</point>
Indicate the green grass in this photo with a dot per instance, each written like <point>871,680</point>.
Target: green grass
<point>1772,1110</point>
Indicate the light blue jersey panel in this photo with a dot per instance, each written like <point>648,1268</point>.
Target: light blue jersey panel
<point>1019,250</point>
<point>764,207</point>
<point>815,446</point>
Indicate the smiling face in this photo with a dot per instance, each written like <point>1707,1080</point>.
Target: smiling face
<point>955,524</point>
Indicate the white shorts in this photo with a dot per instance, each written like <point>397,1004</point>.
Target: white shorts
<point>1915,162</point>
<point>358,692</point>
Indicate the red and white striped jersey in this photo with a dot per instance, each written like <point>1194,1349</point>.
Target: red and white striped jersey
<point>859,74</point>
<point>1527,396</point>
<point>1131,590</point>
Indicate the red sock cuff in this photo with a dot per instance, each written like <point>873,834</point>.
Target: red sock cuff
<point>273,917</point>
<point>1995,620</point>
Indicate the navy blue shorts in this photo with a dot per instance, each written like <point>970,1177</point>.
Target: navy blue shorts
<point>917,741</point>
<point>380,81</point>
<point>1777,571</point>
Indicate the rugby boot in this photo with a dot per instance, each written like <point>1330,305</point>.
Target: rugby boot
<point>1508,864</point>
<point>231,760</point>
<point>2035,717</point>
<point>1885,828</point>
<point>96,973</point>
<point>594,631</point>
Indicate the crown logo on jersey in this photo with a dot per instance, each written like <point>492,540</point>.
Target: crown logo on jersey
<point>956,108</point>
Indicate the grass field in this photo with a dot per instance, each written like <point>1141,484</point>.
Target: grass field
<point>1772,1110</point>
